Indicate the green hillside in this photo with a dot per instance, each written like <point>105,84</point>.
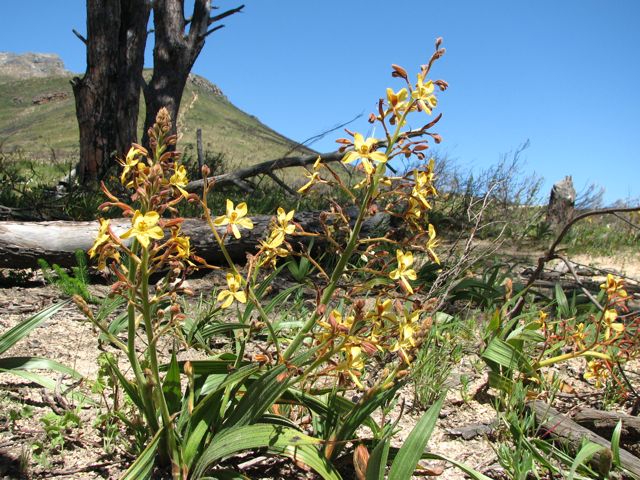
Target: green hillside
<point>37,116</point>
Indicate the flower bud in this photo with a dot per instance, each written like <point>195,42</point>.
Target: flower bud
<point>398,71</point>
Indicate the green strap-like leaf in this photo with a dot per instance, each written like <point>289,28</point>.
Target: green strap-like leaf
<point>260,395</point>
<point>378,460</point>
<point>129,388</point>
<point>359,414</point>
<point>586,452</point>
<point>311,457</point>
<point>21,330</point>
<point>47,383</point>
<point>277,438</point>
<point>615,443</point>
<point>142,468</point>
<point>171,386</point>
<point>410,453</point>
<point>36,363</point>
<point>206,409</point>
<point>214,329</point>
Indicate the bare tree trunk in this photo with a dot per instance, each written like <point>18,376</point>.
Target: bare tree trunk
<point>108,95</point>
<point>174,54</point>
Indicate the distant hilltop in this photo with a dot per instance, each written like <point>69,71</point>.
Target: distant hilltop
<point>30,65</point>
<point>15,66</point>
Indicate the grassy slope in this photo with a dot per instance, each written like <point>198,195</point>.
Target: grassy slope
<point>37,129</point>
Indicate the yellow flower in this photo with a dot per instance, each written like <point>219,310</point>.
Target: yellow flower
<point>422,188</point>
<point>609,318</point>
<point>397,101</point>
<point>414,211</point>
<point>132,159</point>
<point>233,293</point>
<point>313,176</point>
<point>432,243</point>
<point>183,246</point>
<point>144,227</point>
<point>383,310</point>
<point>234,218</point>
<point>338,323</point>
<point>364,150</point>
<point>353,362</point>
<point>613,286</point>
<point>273,249</point>
<point>579,336</point>
<point>179,179</point>
<point>405,340</point>
<point>597,371</point>
<point>423,95</point>
<point>282,226</point>
<point>103,247</point>
<point>102,238</point>
<point>404,273</point>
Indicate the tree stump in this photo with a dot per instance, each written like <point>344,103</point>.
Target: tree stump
<point>561,203</point>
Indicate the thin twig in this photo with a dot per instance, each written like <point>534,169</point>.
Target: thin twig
<point>579,282</point>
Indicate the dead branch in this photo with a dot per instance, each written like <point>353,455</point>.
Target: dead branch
<point>269,166</point>
<point>551,252</point>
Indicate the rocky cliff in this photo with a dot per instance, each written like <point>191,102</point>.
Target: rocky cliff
<point>30,65</point>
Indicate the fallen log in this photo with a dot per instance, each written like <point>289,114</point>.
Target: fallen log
<point>603,423</point>
<point>23,243</point>
<point>562,428</point>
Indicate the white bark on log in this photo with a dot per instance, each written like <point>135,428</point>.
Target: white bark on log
<point>22,243</point>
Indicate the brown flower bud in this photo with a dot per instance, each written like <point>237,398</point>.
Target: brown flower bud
<point>360,461</point>
<point>163,119</point>
<point>398,71</point>
<point>438,42</point>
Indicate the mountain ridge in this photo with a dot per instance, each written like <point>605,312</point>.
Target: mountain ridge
<point>37,116</point>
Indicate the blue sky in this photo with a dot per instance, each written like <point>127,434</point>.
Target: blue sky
<point>563,74</point>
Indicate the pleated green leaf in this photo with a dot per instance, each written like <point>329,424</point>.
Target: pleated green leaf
<point>276,439</point>
<point>36,363</point>
<point>24,328</point>
<point>171,386</point>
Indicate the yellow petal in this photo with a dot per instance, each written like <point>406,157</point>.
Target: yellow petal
<point>241,209</point>
<point>246,223</point>
<point>220,221</point>
<point>358,141</point>
<point>378,157</point>
<point>228,299</point>
<point>350,156</point>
